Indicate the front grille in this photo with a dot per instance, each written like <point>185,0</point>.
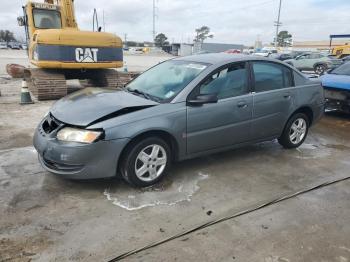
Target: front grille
<point>50,124</point>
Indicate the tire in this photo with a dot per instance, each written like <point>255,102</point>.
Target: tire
<point>295,131</point>
<point>320,69</point>
<point>140,166</point>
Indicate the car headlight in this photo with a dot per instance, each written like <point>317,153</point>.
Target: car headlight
<point>70,134</point>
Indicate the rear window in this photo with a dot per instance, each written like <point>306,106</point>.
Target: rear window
<point>271,76</point>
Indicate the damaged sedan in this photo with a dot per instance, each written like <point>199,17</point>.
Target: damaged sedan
<point>179,109</point>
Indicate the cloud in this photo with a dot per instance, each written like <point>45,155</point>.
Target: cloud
<point>231,21</point>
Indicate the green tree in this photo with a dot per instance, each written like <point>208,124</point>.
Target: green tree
<point>202,33</point>
<point>7,36</point>
<point>284,39</point>
<point>161,40</point>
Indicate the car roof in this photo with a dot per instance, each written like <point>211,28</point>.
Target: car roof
<point>219,58</point>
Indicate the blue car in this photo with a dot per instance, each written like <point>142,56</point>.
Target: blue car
<point>336,84</point>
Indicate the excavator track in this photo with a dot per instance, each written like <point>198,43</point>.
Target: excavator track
<point>46,84</point>
<point>108,78</point>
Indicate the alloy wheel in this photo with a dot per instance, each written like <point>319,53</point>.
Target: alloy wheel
<point>150,162</point>
<point>320,69</point>
<point>297,131</point>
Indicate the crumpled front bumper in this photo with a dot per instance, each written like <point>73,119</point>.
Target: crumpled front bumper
<point>77,160</point>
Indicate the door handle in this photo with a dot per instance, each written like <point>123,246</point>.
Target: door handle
<point>242,104</point>
<point>287,96</point>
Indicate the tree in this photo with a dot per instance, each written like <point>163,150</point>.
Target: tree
<point>7,36</point>
<point>202,33</point>
<point>284,39</point>
<point>161,40</point>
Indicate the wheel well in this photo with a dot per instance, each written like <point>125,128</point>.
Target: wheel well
<point>307,111</point>
<point>167,137</point>
<point>320,63</point>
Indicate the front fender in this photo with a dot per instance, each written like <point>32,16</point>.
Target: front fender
<point>173,123</point>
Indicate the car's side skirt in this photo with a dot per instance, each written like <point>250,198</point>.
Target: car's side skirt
<point>226,148</point>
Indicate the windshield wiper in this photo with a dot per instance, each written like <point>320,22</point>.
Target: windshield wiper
<point>145,95</point>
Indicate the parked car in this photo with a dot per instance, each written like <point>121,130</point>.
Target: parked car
<point>264,53</point>
<point>281,56</point>
<point>346,59</point>
<point>24,46</point>
<point>337,88</point>
<point>3,45</point>
<point>233,51</point>
<point>295,54</point>
<point>317,62</point>
<point>13,45</point>
<point>179,109</point>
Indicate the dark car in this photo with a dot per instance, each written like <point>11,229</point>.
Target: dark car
<point>179,109</point>
<point>14,45</point>
<point>346,59</point>
<point>281,57</point>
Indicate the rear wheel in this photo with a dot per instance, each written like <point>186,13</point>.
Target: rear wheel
<point>295,131</point>
<point>146,161</point>
<point>320,69</point>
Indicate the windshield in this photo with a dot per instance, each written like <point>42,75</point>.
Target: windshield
<point>47,19</point>
<point>342,70</point>
<point>167,79</point>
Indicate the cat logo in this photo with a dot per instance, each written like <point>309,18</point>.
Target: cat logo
<point>86,55</point>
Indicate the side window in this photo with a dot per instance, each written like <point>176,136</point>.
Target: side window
<point>307,56</point>
<point>315,56</point>
<point>228,82</point>
<point>271,76</point>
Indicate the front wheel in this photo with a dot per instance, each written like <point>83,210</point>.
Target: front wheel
<point>295,131</point>
<point>146,161</point>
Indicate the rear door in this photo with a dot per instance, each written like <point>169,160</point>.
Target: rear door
<point>227,122</point>
<point>273,98</point>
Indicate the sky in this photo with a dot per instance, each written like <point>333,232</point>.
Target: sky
<point>231,21</point>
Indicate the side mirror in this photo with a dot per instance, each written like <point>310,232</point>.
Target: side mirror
<point>21,21</point>
<point>203,99</point>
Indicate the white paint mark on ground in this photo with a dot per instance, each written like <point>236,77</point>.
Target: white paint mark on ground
<point>310,151</point>
<point>165,193</point>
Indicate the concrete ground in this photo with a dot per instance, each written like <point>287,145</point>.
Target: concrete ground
<point>46,218</point>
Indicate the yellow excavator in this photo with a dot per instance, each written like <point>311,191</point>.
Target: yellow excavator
<point>342,50</point>
<point>60,51</point>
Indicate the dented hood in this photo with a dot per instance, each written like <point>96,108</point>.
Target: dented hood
<point>92,105</point>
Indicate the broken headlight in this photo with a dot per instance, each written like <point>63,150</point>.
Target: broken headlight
<point>70,134</point>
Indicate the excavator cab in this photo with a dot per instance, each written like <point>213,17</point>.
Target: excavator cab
<point>47,19</point>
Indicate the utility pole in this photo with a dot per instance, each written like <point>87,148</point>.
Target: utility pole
<point>125,41</point>
<point>278,23</point>
<point>103,20</point>
<point>154,20</point>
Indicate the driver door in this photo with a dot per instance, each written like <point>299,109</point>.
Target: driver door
<point>226,122</point>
